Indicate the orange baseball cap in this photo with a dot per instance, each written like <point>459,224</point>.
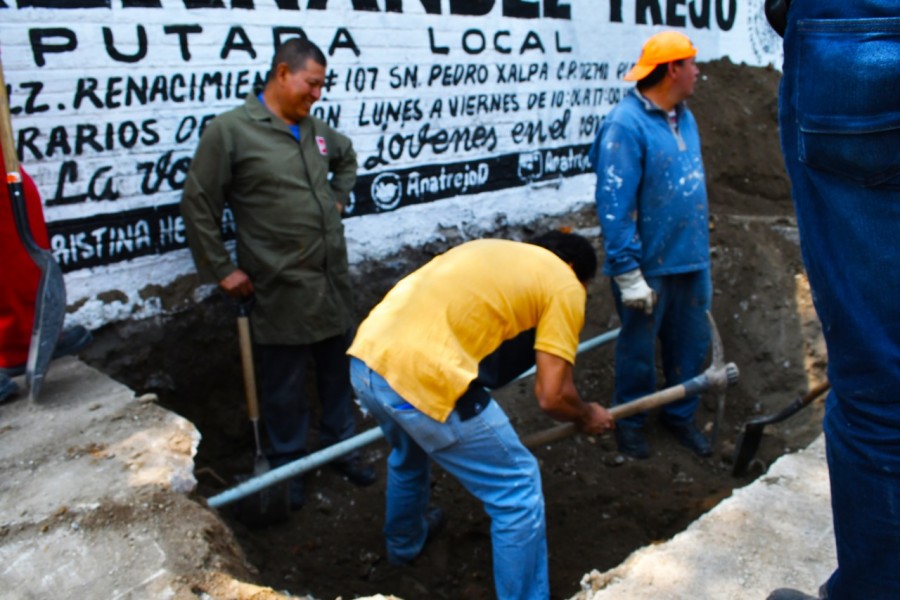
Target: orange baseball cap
<point>662,48</point>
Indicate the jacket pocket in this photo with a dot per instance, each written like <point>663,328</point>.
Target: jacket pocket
<point>848,109</point>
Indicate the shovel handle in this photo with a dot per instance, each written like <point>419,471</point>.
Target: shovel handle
<point>12,178</point>
<point>817,391</point>
<point>243,325</point>
<point>10,158</point>
<point>798,403</point>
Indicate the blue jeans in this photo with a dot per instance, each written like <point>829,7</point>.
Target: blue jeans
<point>840,133</point>
<point>679,322</point>
<point>485,455</point>
<point>284,403</point>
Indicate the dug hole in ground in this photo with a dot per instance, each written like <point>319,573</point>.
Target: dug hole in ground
<point>600,507</point>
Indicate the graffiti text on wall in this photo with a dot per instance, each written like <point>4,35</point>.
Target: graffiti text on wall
<point>478,96</point>
<point>520,9</point>
<point>107,239</point>
<point>673,13</point>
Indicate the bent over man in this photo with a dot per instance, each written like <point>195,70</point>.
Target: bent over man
<point>414,360</point>
<point>269,161</point>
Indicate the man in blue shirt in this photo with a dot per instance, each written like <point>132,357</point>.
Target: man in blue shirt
<point>653,213</point>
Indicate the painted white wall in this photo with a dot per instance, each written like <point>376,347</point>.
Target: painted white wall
<point>110,162</point>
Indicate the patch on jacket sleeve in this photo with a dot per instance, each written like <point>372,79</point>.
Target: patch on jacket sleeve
<point>323,147</point>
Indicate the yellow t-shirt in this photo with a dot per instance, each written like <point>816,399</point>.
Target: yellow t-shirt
<point>429,333</point>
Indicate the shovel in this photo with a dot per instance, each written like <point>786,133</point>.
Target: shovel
<point>270,505</point>
<point>748,440</point>
<point>50,304</point>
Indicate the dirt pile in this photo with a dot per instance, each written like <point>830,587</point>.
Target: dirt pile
<point>600,507</point>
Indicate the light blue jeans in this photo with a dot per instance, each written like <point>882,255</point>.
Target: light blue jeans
<point>485,455</point>
<point>840,133</point>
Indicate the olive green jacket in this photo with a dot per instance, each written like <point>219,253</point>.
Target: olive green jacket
<point>290,239</point>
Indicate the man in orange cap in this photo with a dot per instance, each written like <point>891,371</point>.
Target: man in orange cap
<point>652,207</point>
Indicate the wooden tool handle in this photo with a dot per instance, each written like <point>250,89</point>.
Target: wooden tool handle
<point>817,391</point>
<point>13,180</point>
<point>621,411</point>
<point>247,367</point>
<point>10,158</point>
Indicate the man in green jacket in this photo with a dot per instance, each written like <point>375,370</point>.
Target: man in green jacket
<point>269,162</point>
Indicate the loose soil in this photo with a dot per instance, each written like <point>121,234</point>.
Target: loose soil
<point>600,506</point>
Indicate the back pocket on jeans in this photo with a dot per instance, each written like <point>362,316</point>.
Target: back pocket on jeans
<point>848,103</point>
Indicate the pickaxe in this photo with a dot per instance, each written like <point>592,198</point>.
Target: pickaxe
<point>717,377</point>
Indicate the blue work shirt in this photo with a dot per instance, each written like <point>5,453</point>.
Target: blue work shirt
<point>651,190</point>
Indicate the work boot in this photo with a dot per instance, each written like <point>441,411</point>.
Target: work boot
<point>631,442</point>
<point>8,388</point>
<point>690,437</point>
<point>436,519</point>
<point>791,594</point>
<point>296,494</point>
<point>70,341</point>
<point>359,474</point>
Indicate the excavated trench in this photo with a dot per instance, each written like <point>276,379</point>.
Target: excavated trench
<point>600,507</point>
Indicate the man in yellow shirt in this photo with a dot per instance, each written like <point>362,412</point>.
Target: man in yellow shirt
<point>415,364</point>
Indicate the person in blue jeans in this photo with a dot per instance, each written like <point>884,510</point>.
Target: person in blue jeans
<point>839,111</point>
<point>653,214</point>
<point>417,363</point>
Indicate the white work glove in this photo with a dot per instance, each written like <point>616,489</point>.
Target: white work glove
<point>636,293</point>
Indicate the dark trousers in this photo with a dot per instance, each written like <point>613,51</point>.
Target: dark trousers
<point>285,407</point>
<point>840,133</point>
<point>679,323</point>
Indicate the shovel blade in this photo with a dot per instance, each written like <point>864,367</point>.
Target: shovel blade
<point>49,317</point>
<point>745,448</point>
<point>261,466</point>
<point>269,506</point>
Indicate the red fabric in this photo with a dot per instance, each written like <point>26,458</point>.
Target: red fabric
<point>18,273</point>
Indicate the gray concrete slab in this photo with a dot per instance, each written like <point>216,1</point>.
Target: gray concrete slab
<point>776,532</point>
<point>94,485</point>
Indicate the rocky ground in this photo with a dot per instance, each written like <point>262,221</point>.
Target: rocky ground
<point>600,507</point>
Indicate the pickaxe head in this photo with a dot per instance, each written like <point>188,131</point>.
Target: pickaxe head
<point>721,374</point>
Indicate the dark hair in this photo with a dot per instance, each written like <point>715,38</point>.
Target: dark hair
<point>656,75</point>
<point>573,249</point>
<point>294,53</point>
